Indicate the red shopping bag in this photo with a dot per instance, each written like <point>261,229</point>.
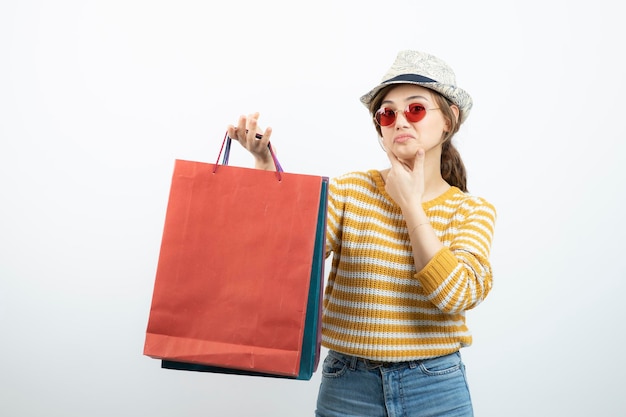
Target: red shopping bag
<point>234,272</point>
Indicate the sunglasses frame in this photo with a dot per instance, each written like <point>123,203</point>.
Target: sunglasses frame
<point>407,114</point>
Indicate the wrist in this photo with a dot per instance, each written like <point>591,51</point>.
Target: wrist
<point>416,227</point>
<point>265,161</point>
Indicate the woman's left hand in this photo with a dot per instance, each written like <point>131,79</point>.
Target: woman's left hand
<point>405,183</point>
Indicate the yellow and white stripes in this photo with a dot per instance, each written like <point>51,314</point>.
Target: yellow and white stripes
<point>376,305</point>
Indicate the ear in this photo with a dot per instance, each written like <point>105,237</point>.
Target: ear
<point>457,112</point>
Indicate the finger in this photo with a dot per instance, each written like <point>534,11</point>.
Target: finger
<point>397,163</point>
<point>392,158</point>
<point>241,128</point>
<point>231,131</point>
<point>260,139</point>
<point>265,139</point>
<point>418,163</point>
<point>252,125</point>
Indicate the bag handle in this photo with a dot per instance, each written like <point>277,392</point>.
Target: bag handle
<point>226,149</point>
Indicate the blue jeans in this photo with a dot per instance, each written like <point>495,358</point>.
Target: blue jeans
<point>355,387</point>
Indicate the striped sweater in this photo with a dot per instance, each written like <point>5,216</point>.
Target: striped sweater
<point>376,305</point>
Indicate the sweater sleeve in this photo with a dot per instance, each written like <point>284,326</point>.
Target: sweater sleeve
<point>335,207</point>
<point>459,277</point>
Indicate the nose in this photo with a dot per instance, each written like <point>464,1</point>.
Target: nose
<point>401,120</point>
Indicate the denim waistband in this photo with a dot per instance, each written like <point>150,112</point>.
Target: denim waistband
<point>354,361</point>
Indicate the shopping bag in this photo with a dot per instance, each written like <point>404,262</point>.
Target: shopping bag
<point>311,344</point>
<point>239,276</point>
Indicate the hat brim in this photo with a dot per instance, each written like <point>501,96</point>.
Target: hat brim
<point>455,94</point>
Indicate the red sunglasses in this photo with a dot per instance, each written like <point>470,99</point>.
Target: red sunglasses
<point>413,113</point>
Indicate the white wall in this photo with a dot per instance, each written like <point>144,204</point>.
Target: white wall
<point>97,98</point>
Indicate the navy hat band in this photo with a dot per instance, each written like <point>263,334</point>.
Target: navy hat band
<point>410,78</point>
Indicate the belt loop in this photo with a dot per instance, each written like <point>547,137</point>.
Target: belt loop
<point>353,362</point>
<point>413,364</point>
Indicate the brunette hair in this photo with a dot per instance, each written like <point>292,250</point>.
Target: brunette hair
<point>452,167</point>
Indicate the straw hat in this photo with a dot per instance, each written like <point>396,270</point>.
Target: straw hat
<point>426,70</point>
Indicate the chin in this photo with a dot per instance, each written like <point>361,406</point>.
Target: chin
<point>405,151</point>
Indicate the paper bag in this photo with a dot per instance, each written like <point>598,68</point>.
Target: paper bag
<point>239,276</point>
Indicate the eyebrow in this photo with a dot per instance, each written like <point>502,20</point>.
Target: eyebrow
<point>406,99</point>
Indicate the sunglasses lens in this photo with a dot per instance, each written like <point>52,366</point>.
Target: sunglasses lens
<point>385,117</point>
<point>415,112</point>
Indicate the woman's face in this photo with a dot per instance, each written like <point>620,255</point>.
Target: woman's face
<point>404,137</point>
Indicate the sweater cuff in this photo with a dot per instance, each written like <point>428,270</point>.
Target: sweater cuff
<point>437,270</point>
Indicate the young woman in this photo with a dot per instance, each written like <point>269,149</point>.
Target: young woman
<point>410,253</point>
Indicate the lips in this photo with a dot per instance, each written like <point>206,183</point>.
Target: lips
<point>402,138</point>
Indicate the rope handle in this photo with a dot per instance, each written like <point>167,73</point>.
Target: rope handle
<point>226,143</point>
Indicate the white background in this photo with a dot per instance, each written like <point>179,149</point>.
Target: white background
<point>97,99</point>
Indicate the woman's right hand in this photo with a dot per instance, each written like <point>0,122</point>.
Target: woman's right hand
<point>250,136</point>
